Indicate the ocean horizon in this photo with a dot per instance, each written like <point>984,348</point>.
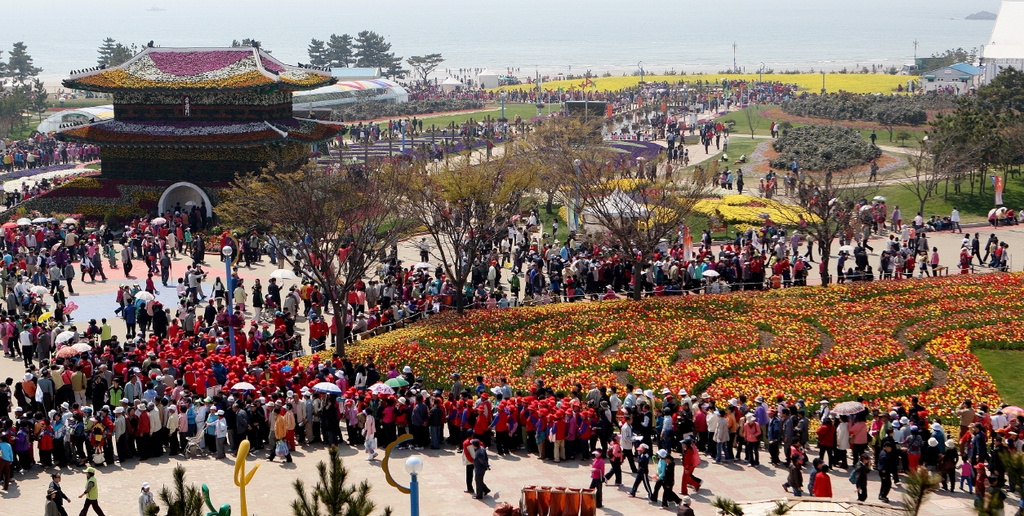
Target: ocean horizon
<point>528,37</point>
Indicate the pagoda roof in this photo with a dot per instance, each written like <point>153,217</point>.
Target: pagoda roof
<point>195,68</point>
<point>178,134</point>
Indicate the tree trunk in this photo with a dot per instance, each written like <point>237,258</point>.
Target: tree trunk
<point>341,316</point>
<point>459,304</point>
<point>549,207</point>
<point>637,287</point>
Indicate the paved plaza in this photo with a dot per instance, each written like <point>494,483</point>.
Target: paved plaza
<point>442,479</point>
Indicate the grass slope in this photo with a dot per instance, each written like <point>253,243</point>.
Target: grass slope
<point>1006,368</point>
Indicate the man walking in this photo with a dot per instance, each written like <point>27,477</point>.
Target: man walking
<point>480,467</point>
<point>91,493</point>
<point>58,494</point>
<point>642,470</point>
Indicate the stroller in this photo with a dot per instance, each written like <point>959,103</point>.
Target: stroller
<point>193,445</point>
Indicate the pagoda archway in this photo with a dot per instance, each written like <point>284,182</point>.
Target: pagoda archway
<point>184,192</point>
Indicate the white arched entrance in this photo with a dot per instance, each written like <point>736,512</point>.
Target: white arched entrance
<point>184,192</point>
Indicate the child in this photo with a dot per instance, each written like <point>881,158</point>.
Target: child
<point>966,474</point>
<point>796,475</point>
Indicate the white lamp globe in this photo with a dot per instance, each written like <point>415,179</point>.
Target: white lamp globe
<point>413,465</point>
<point>227,250</point>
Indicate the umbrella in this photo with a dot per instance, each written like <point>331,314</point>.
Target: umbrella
<point>866,207</point>
<point>70,220</point>
<point>56,246</point>
<point>396,382</point>
<point>24,221</point>
<point>39,290</point>
<point>1013,411</point>
<point>848,408</point>
<point>327,387</point>
<point>423,265</point>
<point>9,225</point>
<point>846,249</point>
<point>711,274</point>
<point>65,336</point>
<point>82,347</point>
<point>879,198</point>
<point>67,352</point>
<point>243,386</point>
<point>45,317</point>
<point>145,296</point>
<point>158,221</point>
<point>282,274</point>
<point>381,390</point>
<point>42,220</point>
<point>190,203</point>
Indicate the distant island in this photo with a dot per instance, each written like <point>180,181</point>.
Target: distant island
<point>983,15</point>
<point>155,9</point>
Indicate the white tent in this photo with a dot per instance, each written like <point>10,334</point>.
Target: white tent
<point>80,115</point>
<point>487,79</point>
<point>451,84</point>
<point>1005,47</point>
<point>618,205</point>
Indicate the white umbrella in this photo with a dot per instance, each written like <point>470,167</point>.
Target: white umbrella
<point>711,274</point>
<point>42,220</point>
<point>879,198</point>
<point>381,390</point>
<point>82,347</point>
<point>39,290</point>
<point>282,274</point>
<point>190,203</point>
<point>70,220</point>
<point>848,408</point>
<point>846,249</point>
<point>158,221</point>
<point>145,296</point>
<point>866,207</point>
<point>327,387</point>
<point>423,265</point>
<point>65,336</point>
<point>243,386</point>
<point>24,221</point>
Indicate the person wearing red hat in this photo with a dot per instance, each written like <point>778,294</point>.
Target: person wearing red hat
<point>597,475</point>
<point>559,430</point>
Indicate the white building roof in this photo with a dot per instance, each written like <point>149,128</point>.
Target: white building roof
<point>1007,40</point>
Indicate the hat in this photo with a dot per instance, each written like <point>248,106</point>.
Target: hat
<point>649,393</point>
<point>663,453</point>
<point>666,391</point>
<point>896,424</point>
<point>220,412</point>
<point>638,391</point>
<point>933,442</point>
<point>750,417</point>
<point>823,402</point>
<point>90,471</point>
<point>643,447</point>
<point>596,453</point>
<point>145,485</point>
<point>936,427</point>
<point>119,410</point>
<point>759,399</point>
<point>950,443</point>
<point>406,369</point>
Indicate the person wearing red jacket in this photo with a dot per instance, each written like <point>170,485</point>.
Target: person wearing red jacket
<point>559,429</point>
<point>822,483</point>
<point>500,424</point>
<point>691,461</point>
<point>482,426</point>
<point>827,441</point>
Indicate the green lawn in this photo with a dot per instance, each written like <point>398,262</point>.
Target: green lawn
<point>972,209</point>
<point>525,111</point>
<point>741,127</point>
<point>1006,369</point>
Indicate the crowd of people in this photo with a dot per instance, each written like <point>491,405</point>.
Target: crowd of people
<point>40,150</point>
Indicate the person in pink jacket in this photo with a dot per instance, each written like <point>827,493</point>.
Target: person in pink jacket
<point>752,436</point>
<point>597,474</point>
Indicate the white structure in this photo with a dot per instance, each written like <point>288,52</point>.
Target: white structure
<point>451,84</point>
<point>76,116</point>
<point>488,79</point>
<point>347,92</point>
<point>1005,48</point>
<point>187,195</point>
<point>957,79</point>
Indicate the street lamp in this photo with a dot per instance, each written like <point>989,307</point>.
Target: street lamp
<point>574,222</point>
<point>228,252</point>
<point>640,65</point>
<point>414,465</point>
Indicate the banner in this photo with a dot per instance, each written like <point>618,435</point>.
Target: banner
<point>608,110</point>
<point>997,183</point>
<point>687,244</point>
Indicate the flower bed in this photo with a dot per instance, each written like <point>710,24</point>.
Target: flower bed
<point>773,343</point>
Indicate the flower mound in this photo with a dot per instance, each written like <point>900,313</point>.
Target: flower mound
<point>837,343</point>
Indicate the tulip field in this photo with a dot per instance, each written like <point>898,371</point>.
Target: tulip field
<point>881,340</point>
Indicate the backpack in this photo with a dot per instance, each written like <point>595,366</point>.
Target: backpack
<point>853,474</point>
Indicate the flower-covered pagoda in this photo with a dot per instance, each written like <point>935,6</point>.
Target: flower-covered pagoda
<point>200,114</point>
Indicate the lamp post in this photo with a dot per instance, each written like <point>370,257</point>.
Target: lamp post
<point>760,73</point>
<point>414,465</point>
<point>640,65</point>
<point>228,252</point>
<point>503,96</point>
<point>574,222</point>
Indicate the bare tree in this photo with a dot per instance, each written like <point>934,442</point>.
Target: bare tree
<point>339,223</point>
<point>753,115</point>
<point>943,154</point>
<point>466,208</point>
<point>638,214</point>
<point>556,144</point>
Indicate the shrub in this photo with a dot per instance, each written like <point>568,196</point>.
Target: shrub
<point>823,148</point>
<point>885,109</point>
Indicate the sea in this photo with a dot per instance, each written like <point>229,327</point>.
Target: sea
<point>525,37</point>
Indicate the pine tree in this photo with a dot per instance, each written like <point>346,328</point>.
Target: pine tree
<point>331,496</point>
<point>373,52</point>
<point>181,499</point>
<point>339,51</point>
<point>317,53</point>
<point>39,98</point>
<point>106,50</point>
<point>19,65</point>
<point>425,65</point>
